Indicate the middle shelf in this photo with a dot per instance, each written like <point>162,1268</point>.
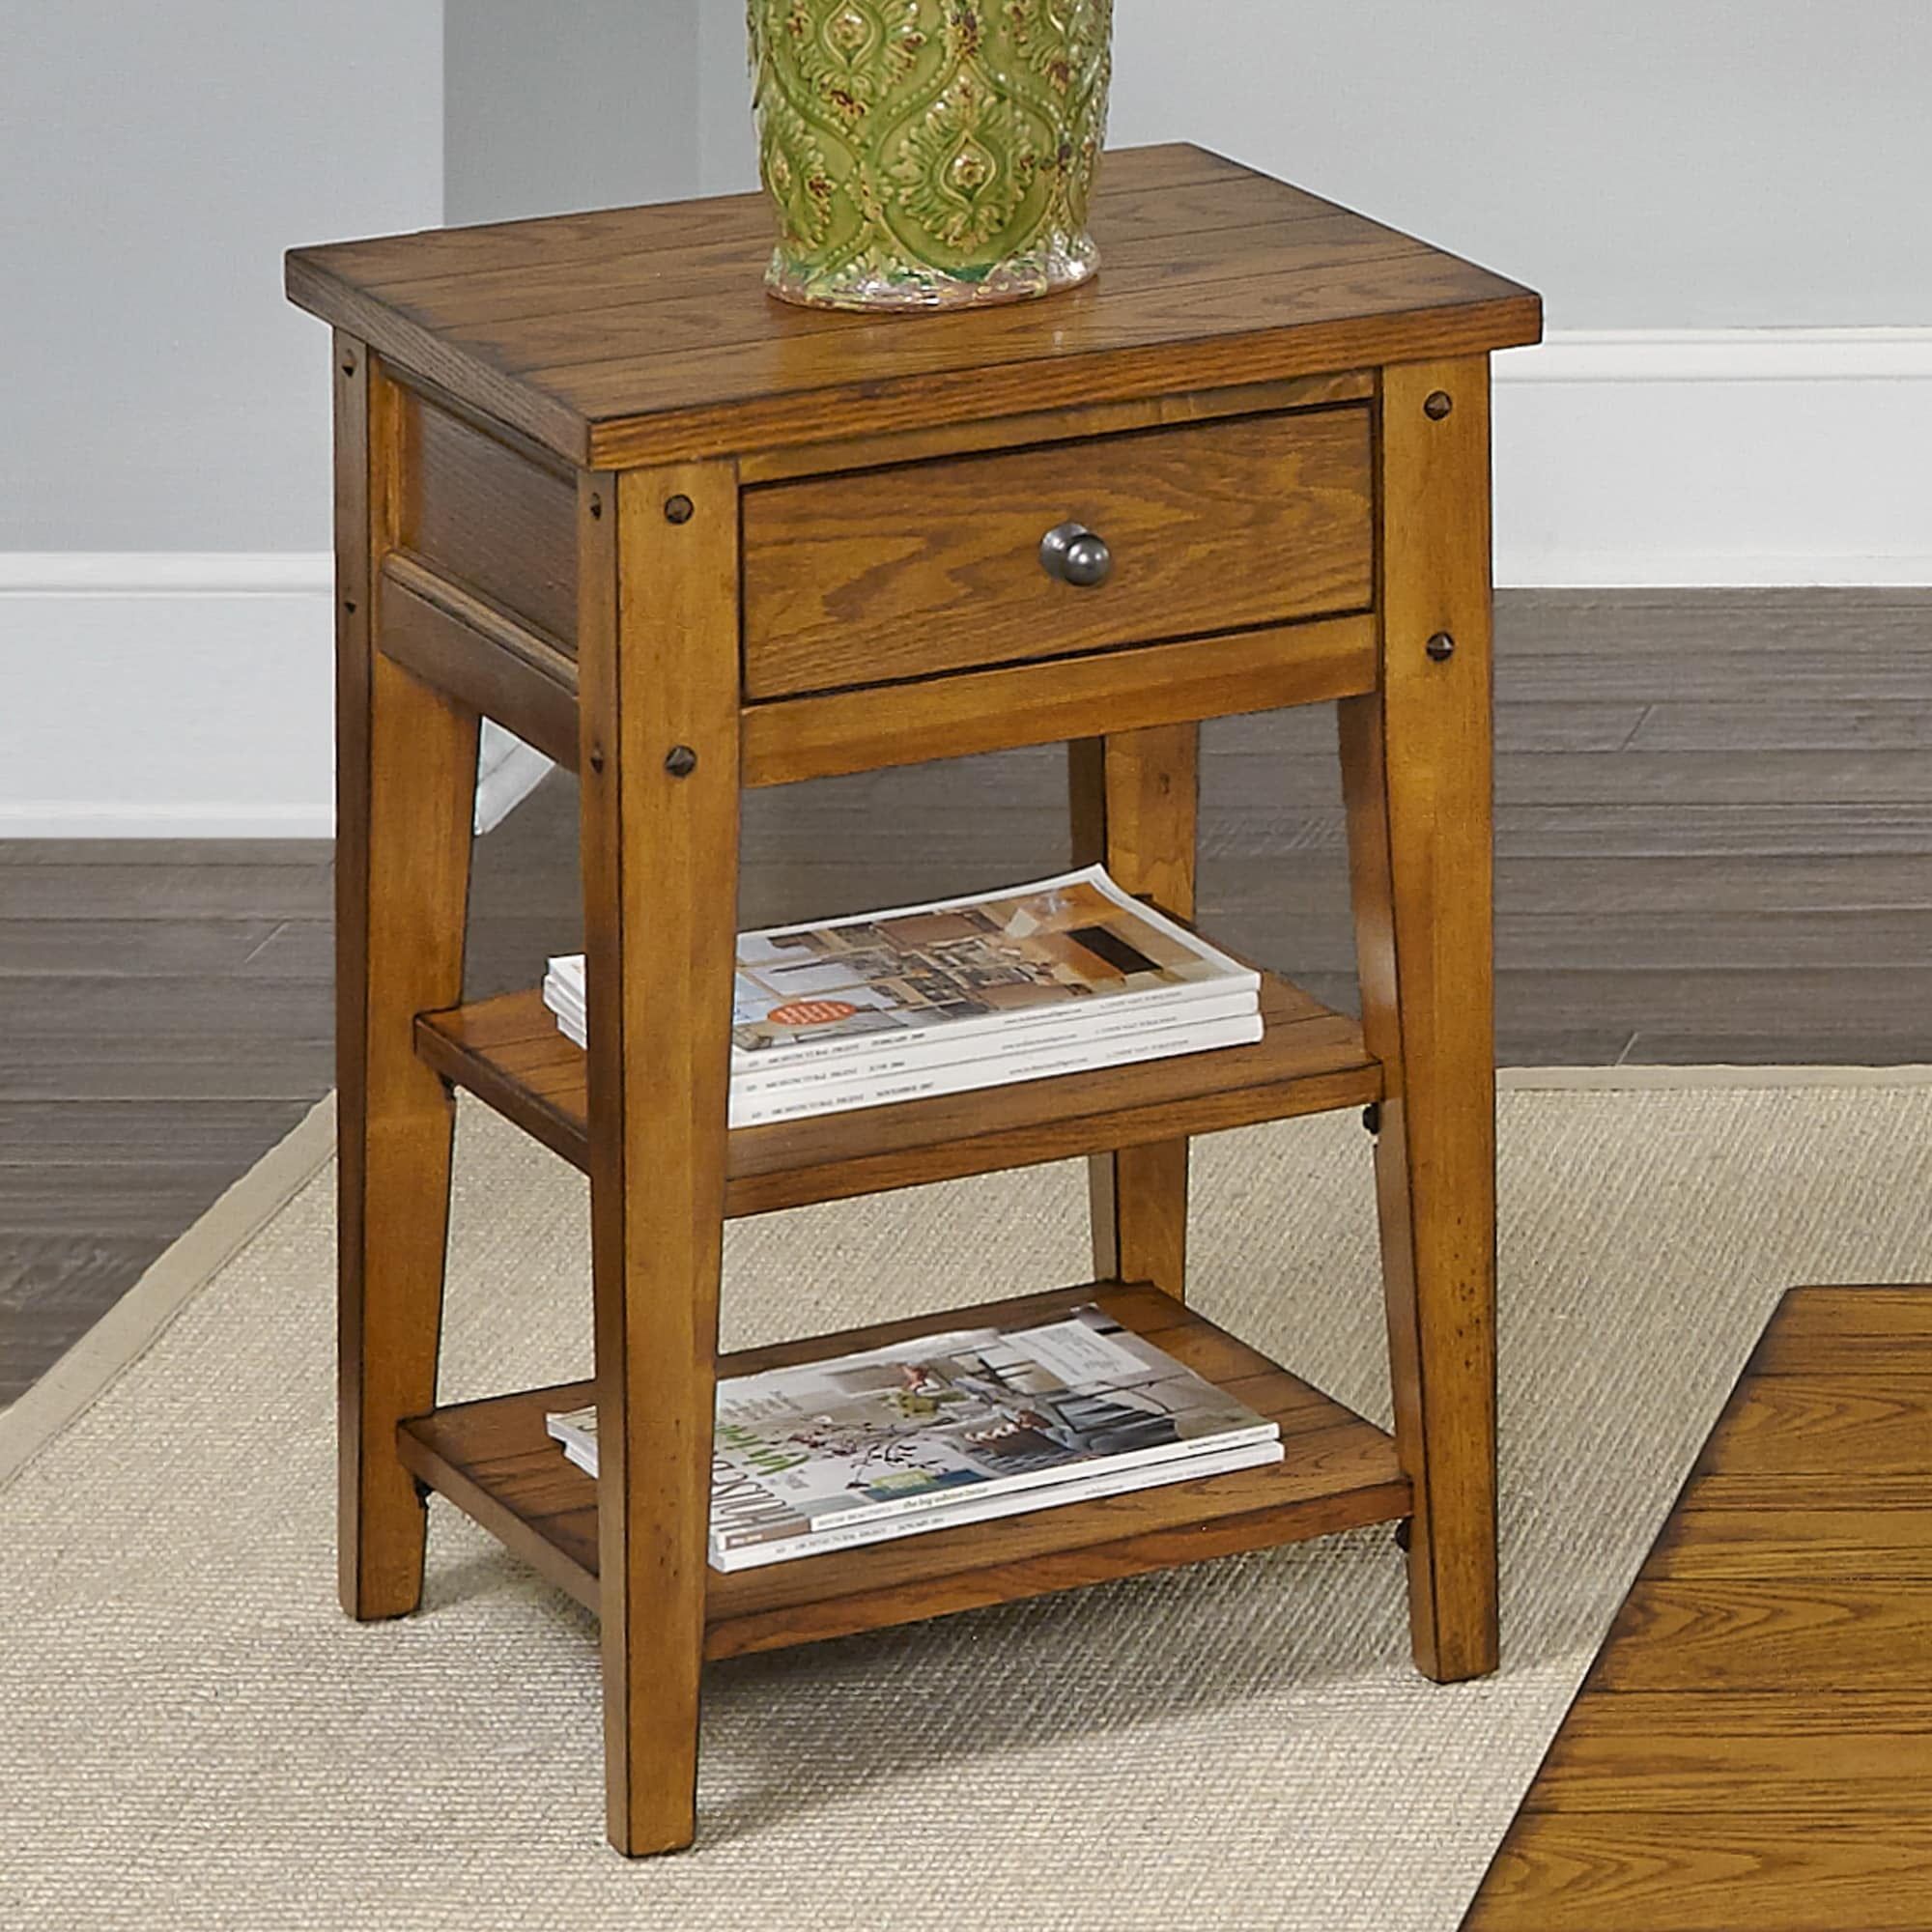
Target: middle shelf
<point>510,1053</point>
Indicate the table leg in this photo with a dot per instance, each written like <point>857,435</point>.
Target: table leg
<point>1417,770</point>
<point>1134,797</point>
<point>406,779</point>
<point>659,680</point>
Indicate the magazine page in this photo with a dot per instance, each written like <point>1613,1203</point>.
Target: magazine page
<point>933,1050</point>
<point>1041,952</point>
<point>985,1506</point>
<point>909,1426</point>
<point>915,1426</point>
<point>938,1049</point>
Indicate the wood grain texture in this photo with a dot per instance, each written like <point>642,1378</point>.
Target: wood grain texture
<point>1754,1746</point>
<point>644,336</point>
<point>509,1052</point>
<point>1134,801</point>
<point>1840,1424</point>
<point>480,656</point>
<point>1416,773</point>
<point>406,778</point>
<point>1719,1751</point>
<point>476,510</point>
<point>904,573</point>
<point>494,1461</point>
<point>1808,1634</point>
<point>797,738</point>
<point>660,859</point>
<point>54,1287</point>
<point>1680,1872</point>
<point>1049,426</point>
<point>1870,1331</point>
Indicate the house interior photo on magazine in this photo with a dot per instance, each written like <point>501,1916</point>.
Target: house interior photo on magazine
<point>980,954</point>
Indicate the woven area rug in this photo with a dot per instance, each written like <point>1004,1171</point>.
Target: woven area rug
<point>192,1736</point>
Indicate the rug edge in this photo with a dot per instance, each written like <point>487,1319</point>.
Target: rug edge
<point>1711,1078</point>
<point>138,1320</point>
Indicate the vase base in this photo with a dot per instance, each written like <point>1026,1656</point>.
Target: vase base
<point>864,288</point>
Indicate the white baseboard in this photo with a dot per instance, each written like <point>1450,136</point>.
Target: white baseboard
<point>189,696</point>
<point>168,696</point>
<point>1675,458</point>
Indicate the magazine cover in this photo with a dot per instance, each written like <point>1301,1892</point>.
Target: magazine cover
<point>915,1424</point>
<point>1049,951</point>
<point>991,1503</point>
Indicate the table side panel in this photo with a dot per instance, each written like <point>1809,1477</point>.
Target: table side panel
<point>489,516</point>
<point>479,654</point>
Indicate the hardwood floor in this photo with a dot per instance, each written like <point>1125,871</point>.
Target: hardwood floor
<point>1754,1746</point>
<point>1715,844</point>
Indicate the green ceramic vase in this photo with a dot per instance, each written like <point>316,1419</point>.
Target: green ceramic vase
<point>930,153</point>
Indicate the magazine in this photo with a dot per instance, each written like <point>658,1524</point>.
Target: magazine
<point>762,1106</point>
<point>1069,950</point>
<point>923,1428</point>
<point>977,1507</point>
<point>919,1053</point>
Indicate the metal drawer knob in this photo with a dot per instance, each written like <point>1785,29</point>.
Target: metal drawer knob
<point>1072,554</point>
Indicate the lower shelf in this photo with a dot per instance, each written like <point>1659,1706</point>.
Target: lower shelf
<point>494,1461</point>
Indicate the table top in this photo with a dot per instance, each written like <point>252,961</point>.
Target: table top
<point>640,335</point>
<point>1754,1747</point>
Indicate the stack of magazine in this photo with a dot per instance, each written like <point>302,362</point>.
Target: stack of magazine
<point>951,1429</point>
<point>1063,976</point>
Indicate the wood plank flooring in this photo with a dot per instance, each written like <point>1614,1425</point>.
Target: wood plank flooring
<point>1715,844</point>
<point>1754,1747</point>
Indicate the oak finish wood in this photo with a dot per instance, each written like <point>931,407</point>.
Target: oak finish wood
<point>874,451</point>
<point>660,864</point>
<point>899,573</point>
<point>1416,771</point>
<point>1754,1746</point>
<point>509,1052</point>
<point>494,519</point>
<point>406,768</point>
<point>826,736</point>
<point>734,634</point>
<point>747,373</point>
<point>1148,249</point>
<point>494,1459</point>
<point>1134,800</point>
<point>475,653</point>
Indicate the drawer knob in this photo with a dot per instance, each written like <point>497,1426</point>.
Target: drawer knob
<point>1072,553</point>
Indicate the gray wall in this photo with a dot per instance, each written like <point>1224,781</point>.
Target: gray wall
<point>590,105</point>
<point>154,162</point>
<point>1656,164</point>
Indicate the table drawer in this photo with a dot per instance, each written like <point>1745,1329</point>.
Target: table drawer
<point>921,568</point>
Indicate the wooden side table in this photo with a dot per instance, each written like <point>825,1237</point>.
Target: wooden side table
<point>593,483</point>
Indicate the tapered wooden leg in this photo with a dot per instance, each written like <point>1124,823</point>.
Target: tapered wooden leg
<point>1133,799</point>
<point>659,656</point>
<point>406,779</point>
<point>1417,770</point>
